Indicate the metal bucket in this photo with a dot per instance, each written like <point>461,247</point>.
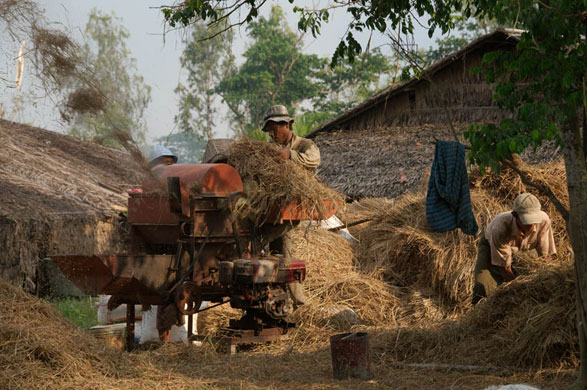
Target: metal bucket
<point>350,356</point>
<point>112,335</point>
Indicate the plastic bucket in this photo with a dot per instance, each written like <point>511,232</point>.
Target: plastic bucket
<point>350,356</point>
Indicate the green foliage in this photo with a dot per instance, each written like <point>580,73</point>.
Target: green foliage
<point>543,83</point>
<point>125,92</point>
<point>188,146</point>
<point>464,31</point>
<point>365,15</point>
<point>346,84</point>
<point>309,120</point>
<point>207,61</point>
<point>275,71</point>
<point>79,311</point>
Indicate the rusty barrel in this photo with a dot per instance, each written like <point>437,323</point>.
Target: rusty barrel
<point>350,355</point>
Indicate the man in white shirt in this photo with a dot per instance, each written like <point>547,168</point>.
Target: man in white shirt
<point>526,227</point>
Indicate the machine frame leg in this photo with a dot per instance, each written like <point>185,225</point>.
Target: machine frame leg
<point>130,327</point>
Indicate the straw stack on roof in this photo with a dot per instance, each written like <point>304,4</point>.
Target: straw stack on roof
<point>60,195</point>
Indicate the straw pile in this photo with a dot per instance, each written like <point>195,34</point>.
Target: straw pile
<point>403,275</point>
<point>399,247</point>
<point>334,285</point>
<point>272,183</point>
<point>528,323</point>
<point>39,349</point>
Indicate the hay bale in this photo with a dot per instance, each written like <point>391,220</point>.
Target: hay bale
<point>272,183</point>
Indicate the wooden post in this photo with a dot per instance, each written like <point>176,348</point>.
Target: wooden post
<point>130,326</point>
<point>190,326</point>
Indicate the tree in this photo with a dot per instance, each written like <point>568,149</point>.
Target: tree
<point>544,86</point>
<point>275,71</point>
<point>467,31</point>
<point>551,62</point>
<point>124,93</point>
<point>207,62</point>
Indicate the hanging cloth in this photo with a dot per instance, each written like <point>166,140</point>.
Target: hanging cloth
<point>448,201</point>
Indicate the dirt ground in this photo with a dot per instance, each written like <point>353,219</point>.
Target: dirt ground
<point>264,369</point>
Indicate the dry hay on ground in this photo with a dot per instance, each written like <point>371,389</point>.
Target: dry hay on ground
<point>272,183</point>
<point>40,350</point>
<point>528,323</point>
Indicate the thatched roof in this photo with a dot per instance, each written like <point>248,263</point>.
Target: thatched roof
<point>501,36</point>
<point>59,195</point>
<point>367,163</point>
<point>45,173</point>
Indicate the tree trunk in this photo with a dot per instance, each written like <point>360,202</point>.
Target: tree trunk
<point>577,185</point>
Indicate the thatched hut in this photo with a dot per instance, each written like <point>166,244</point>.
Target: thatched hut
<point>383,146</point>
<point>59,195</point>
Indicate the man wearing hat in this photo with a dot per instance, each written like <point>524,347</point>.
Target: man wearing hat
<point>159,154</point>
<point>302,151</point>
<point>305,153</point>
<point>526,227</point>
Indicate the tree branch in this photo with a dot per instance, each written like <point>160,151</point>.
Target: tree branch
<point>229,26</point>
<point>540,187</point>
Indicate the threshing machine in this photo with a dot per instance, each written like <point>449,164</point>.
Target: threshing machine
<point>187,244</point>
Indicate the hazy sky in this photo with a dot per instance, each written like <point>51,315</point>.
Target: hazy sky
<point>158,55</point>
